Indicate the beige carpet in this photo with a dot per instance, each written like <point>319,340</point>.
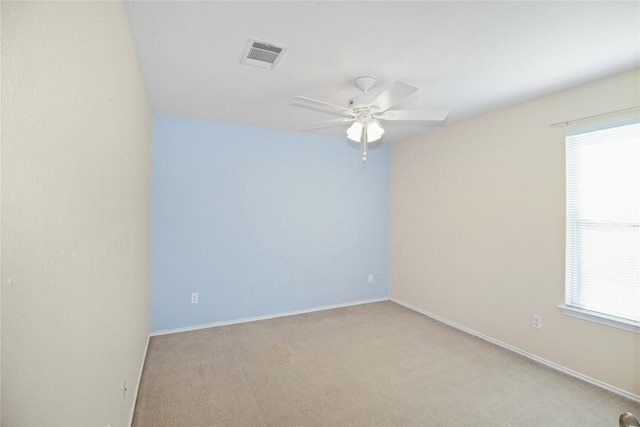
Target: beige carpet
<point>375,364</point>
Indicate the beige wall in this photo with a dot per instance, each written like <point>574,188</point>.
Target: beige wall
<point>477,230</point>
<point>76,129</point>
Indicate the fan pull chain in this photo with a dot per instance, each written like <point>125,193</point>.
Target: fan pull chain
<point>363,138</point>
<point>364,155</point>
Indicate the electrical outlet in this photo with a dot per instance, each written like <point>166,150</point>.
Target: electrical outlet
<point>537,321</point>
<point>194,298</point>
<point>370,278</point>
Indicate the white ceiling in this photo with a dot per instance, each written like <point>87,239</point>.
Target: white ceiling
<point>471,57</point>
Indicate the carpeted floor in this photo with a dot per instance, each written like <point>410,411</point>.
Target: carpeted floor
<point>376,364</point>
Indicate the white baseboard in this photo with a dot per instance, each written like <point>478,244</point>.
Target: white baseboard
<point>269,316</point>
<point>135,395</point>
<point>531,356</point>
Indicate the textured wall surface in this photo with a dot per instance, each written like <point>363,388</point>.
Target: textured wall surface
<point>477,230</point>
<point>260,222</point>
<point>76,131</point>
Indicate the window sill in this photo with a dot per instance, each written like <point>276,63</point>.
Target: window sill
<point>603,319</point>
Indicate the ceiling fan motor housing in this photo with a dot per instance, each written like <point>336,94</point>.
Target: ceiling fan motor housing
<point>360,101</point>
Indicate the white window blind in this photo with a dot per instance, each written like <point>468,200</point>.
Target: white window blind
<point>603,221</point>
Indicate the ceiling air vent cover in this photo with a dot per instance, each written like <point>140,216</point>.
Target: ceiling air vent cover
<point>262,54</point>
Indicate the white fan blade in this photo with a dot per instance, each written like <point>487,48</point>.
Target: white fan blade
<point>314,104</point>
<point>328,123</point>
<point>428,115</point>
<point>395,93</point>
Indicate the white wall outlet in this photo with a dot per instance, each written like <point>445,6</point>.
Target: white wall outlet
<point>370,278</point>
<point>537,321</point>
<point>194,298</point>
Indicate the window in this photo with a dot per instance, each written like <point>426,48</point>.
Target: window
<point>603,225</point>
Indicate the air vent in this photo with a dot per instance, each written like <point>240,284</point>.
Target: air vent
<point>262,54</point>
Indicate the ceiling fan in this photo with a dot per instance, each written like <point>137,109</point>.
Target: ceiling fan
<point>366,111</point>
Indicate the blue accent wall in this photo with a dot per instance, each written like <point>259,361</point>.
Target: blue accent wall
<point>261,221</point>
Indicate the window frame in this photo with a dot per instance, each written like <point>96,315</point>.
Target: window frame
<point>567,308</point>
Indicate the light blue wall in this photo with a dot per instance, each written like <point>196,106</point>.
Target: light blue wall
<point>261,221</point>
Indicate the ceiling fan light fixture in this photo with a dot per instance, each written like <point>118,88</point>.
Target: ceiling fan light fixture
<point>374,131</point>
<point>354,131</point>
